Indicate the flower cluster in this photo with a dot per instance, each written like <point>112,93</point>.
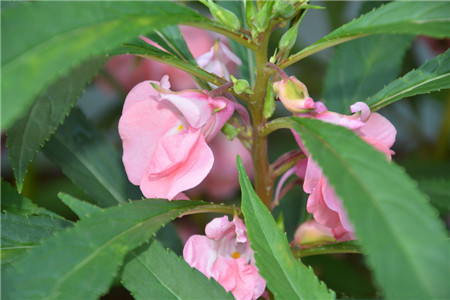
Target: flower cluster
<point>225,255</point>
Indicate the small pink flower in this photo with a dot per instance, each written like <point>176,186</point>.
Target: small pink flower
<point>293,94</point>
<point>323,203</point>
<point>218,59</point>
<point>225,254</point>
<point>312,233</point>
<point>165,136</point>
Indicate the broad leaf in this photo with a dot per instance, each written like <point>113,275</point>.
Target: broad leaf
<point>13,202</point>
<point>286,277</point>
<point>89,161</point>
<point>433,75</point>
<point>399,17</point>
<point>362,67</point>
<point>81,208</point>
<point>22,233</point>
<point>404,241</point>
<point>30,133</point>
<point>80,263</point>
<point>156,273</point>
<point>37,49</point>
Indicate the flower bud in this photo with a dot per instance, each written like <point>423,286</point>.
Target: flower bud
<point>269,104</point>
<point>223,16</point>
<point>263,17</point>
<point>240,85</point>
<point>250,12</point>
<point>294,95</point>
<point>312,233</point>
<point>288,39</point>
<point>284,9</point>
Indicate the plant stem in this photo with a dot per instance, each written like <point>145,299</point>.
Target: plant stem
<point>212,208</point>
<point>263,178</point>
<point>345,247</point>
<point>276,124</point>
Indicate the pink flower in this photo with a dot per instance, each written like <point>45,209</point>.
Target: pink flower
<point>312,233</point>
<point>218,60</point>
<point>323,203</point>
<point>222,182</point>
<point>165,136</point>
<point>293,94</point>
<point>225,254</point>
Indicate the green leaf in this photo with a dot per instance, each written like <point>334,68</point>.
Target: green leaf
<point>37,49</point>
<point>343,247</point>
<point>404,241</point>
<point>83,209</point>
<point>399,17</point>
<point>439,192</point>
<point>15,203</point>
<point>30,133</point>
<point>80,262</point>
<point>362,67</point>
<point>89,161</point>
<point>156,273</point>
<point>22,233</point>
<point>286,277</point>
<point>433,75</point>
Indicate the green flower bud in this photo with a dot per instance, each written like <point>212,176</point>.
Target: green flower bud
<point>230,131</point>
<point>284,9</point>
<point>240,85</point>
<point>223,16</point>
<point>250,12</point>
<point>263,17</point>
<point>269,104</point>
<point>288,39</point>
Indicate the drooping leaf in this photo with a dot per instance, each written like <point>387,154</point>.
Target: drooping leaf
<point>156,273</point>
<point>362,67</point>
<point>80,263</point>
<point>83,209</point>
<point>37,49</point>
<point>404,241</point>
<point>13,202</point>
<point>433,75</point>
<point>30,133</point>
<point>399,17</point>
<point>286,277</point>
<point>89,161</point>
<point>22,233</point>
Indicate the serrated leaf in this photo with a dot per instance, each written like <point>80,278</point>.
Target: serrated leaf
<point>22,233</point>
<point>156,273</point>
<point>30,133</point>
<point>399,17</point>
<point>80,263</point>
<point>286,277</point>
<point>404,241</point>
<point>89,161</point>
<point>362,67</point>
<point>433,75</point>
<point>81,208</point>
<point>36,49</point>
<point>12,201</point>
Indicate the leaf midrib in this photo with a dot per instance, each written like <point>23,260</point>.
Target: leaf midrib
<point>376,205</point>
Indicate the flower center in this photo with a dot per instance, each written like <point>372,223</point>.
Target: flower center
<point>235,254</point>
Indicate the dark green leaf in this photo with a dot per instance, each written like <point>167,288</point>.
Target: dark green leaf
<point>83,209</point>
<point>404,241</point>
<point>362,67</point>
<point>22,233</point>
<point>156,273</point>
<point>399,17</point>
<point>15,203</point>
<point>80,263</point>
<point>439,192</point>
<point>30,133</point>
<point>286,277</point>
<point>89,161</point>
<point>433,75</point>
<point>42,41</point>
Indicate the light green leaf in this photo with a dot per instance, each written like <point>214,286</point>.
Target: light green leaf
<point>82,209</point>
<point>13,202</point>
<point>37,49</point>
<point>22,233</point>
<point>30,133</point>
<point>286,277</point>
<point>362,67</point>
<point>404,241</point>
<point>433,75</point>
<point>399,17</point>
<point>156,273</point>
<point>80,262</point>
<point>89,161</point>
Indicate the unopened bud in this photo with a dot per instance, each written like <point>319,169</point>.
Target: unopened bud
<point>230,131</point>
<point>269,104</point>
<point>311,234</point>
<point>263,17</point>
<point>223,16</point>
<point>294,95</point>
<point>284,9</point>
<point>288,39</point>
<point>240,85</point>
<point>250,12</point>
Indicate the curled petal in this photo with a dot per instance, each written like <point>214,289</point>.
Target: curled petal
<point>199,252</point>
<point>378,127</point>
<point>361,107</point>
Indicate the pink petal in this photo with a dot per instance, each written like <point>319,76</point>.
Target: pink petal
<point>361,107</point>
<point>312,175</point>
<point>187,175</point>
<point>378,127</point>
<point>141,127</point>
<point>218,227</point>
<point>142,92</point>
<point>199,252</point>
